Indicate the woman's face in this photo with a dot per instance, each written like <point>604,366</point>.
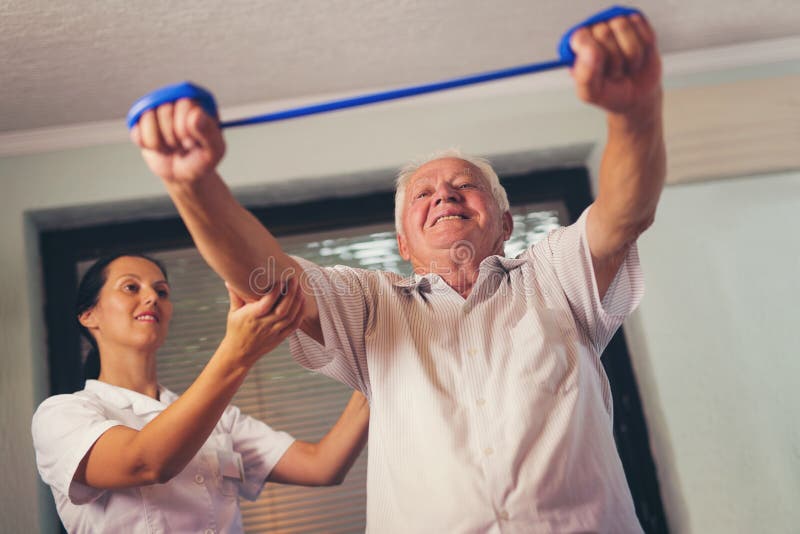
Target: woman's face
<point>133,308</point>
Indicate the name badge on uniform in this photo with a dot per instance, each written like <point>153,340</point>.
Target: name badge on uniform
<point>230,464</point>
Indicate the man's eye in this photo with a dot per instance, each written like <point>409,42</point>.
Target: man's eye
<point>421,194</point>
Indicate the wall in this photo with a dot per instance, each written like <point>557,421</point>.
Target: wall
<point>716,344</point>
<point>522,123</point>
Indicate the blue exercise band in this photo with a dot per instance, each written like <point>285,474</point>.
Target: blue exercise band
<point>172,93</point>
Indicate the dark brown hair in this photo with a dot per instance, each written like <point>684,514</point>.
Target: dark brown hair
<point>89,288</point>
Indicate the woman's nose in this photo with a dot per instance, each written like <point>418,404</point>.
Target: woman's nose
<point>150,296</point>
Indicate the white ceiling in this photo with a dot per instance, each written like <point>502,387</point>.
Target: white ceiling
<point>83,61</point>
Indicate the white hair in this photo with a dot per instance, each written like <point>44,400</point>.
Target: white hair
<point>483,165</point>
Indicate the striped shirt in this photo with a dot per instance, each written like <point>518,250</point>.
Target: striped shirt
<point>491,413</point>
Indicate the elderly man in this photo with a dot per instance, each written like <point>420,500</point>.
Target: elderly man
<point>491,411</point>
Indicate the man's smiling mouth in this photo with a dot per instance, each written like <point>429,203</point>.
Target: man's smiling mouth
<point>448,218</point>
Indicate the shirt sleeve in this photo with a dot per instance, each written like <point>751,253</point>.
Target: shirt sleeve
<point>568,251</point>
<point>64,428</point>
<point>344,306</point>
<point>261,448</point>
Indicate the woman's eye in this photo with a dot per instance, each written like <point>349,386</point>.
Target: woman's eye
<point>131,288</point>
<point>163,293</point>
<point>465,186</point>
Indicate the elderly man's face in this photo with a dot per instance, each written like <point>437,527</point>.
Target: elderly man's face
<point>449,208</point>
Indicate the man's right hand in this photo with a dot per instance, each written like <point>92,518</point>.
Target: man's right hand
<point>180,142</point>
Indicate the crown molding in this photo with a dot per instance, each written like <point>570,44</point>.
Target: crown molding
<point>696,67</point>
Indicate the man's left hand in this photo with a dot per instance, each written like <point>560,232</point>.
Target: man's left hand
<point>618,67</point>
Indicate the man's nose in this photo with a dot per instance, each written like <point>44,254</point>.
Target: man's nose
<point>446,193</point>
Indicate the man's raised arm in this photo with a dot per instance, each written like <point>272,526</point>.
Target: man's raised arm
<point>183,145</point>
<point>618,68</point>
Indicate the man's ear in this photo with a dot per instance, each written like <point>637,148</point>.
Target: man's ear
<point>402,246</point>
<point>508,225</point>
<point>88,319</point>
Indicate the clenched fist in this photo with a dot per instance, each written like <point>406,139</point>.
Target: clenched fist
<point>618,66</point>
<point>180,142</point>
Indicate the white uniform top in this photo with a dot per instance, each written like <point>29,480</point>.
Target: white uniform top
<point>491,413</point>
<point>235,460</point>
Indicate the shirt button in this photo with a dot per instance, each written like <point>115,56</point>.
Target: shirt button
<point>472,352</point>
<point>481,402</point>
<point>209,531</point>
<point>488,451</point>
<point>199,478</point>
<point>503,515</point>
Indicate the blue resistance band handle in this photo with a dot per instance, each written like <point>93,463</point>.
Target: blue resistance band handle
<point>171,93</point>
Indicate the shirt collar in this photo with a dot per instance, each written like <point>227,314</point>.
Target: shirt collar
<point>124,398</point>
<point>501,264</point>
<point>495,263</point>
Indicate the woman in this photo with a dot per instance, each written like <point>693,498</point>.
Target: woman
<point>127,455</point>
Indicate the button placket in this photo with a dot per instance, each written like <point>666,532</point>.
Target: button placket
<point>475,396</point>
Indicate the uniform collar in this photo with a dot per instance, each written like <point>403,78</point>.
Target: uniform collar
<point>124,398</point>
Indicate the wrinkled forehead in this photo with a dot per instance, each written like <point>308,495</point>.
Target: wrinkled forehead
<point>446,168</point>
